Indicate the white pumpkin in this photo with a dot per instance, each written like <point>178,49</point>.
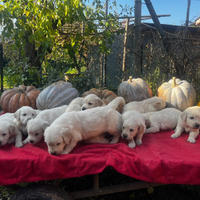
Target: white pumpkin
<point>179,93</point>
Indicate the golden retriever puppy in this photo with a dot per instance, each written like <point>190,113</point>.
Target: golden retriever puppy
<point>7,115</point>
<point>9,132</point>
<point>165,119</point>
<point>133,127</point>
<point>37,126</point>
<point>188,121</point>
<point>148,105</point>
<point>92,101</point>
<point>22,115</point>
<point>75,105</point>
<point>71,127</point>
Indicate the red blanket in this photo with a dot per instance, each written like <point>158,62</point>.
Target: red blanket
<point>159,159</point>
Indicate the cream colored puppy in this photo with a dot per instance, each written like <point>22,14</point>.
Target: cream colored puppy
<point>22,115</point>
<point>37,126</point>
<point>133,127</point>
<point>188,121</point>
<point>92,101</point>
<point>71,127</point>
<point>9,132</point>
<point>148,105</point>
<point>165,119</point>
<point>75,105</point>
<point>7,115</point>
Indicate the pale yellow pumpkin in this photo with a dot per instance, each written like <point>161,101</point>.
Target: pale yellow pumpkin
<point>179,93</point>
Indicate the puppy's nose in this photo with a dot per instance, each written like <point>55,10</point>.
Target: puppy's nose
<point>83,108</point>
<point>31,141</point>
<point>197,125</point>
<point>124,136</point>
<point>0,143</point>
<point>53,153</point>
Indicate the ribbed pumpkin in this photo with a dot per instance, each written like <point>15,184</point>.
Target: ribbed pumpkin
<point>105,95</point>
<point>15,98</point>
<point>179,93</point>
<point>134,90</point>
<point>57,94</point>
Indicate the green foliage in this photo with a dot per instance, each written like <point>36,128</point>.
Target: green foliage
<point>54,30</point>
<point>84,81</point>
<point>155,79</point>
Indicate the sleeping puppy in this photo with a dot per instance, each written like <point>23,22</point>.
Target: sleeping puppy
<point>37,126</point>
<point>9,132</point>
<point>75,105</point>
<point>148,105</point>
<point>165,119</point>
<point>71,127</point>
<point>188,121</point>
<point>92,101</point>
<point>133,127</point>
<point>22,115</point>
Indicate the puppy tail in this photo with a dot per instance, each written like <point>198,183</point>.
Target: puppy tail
<point>116,102</point>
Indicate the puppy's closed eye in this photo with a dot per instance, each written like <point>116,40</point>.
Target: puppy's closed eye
<point>58,144</point>
<point>90,103</point>
<point>24,114</point>
<point>131,130</point>
<point>33,115</point>
<point>36,134</point>
<point>191,117</point>
<point>4,134</point>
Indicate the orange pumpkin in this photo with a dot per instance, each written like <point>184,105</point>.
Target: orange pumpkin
<point>105,95</point>
<point>15,98</point>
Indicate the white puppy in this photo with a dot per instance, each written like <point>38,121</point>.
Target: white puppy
<point>7,115</point>
<point>165,119</point>
<point>133,127</point>
<point>22,115</point>
<point>92,101</point>
<point>9,132</point>
<point>36,126</point>
<point>75,105</point>
<point>189,121</point>
<point>148,105</point>
<point>71,127</point>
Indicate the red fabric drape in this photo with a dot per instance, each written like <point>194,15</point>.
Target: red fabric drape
<point>159,159</point>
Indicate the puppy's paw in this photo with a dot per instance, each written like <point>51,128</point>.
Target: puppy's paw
<point>131,145</point>
<point>25,141</point>
<point>175,135</point>
<point>139,142</point>
<point>19,144</point>
<point>191,140</point>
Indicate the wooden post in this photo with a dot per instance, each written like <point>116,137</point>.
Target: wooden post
<point>155,18</point>
<point>124,53</point>
<point>137,38</point>
<point>187,17</point>
<point>1,65</point>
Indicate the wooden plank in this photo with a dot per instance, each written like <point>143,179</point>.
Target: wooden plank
<point>113,189</point>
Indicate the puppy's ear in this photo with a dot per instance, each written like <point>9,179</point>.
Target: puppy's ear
<point>99,102</point>
<point>183,116</point>
<point>65,133</point>
<point>45,124</point>
<point>157,105</point>
<point>11,129</point>
<point>141,129</point>
<point>17,114</point>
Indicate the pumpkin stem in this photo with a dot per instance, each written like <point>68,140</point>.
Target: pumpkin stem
<point>174,82</point>
<point>130,79</point>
